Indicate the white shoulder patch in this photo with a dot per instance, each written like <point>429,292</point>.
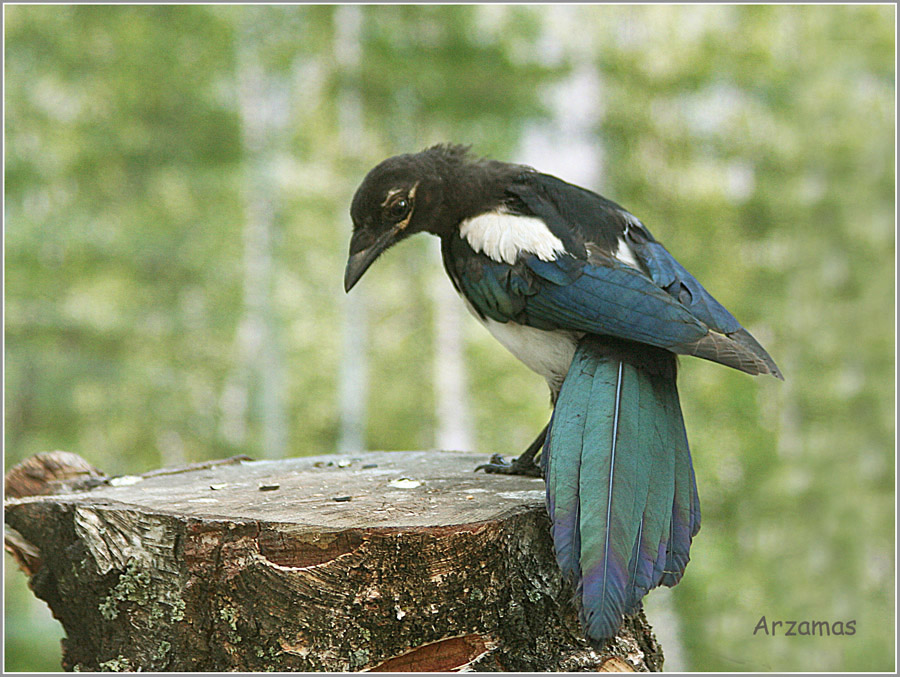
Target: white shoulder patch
<point>623,251</point>
<point>626,255</point>
<point>502,236</point>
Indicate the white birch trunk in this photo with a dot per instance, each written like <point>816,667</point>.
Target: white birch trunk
<point>451,395</point>
<point>353,377</point>
<point>260,364</point>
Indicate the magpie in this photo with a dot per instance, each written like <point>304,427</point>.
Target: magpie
<point>578,289</point>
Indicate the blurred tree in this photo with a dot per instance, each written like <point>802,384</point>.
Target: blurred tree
<point>122,246</point>
<point>354,366</point>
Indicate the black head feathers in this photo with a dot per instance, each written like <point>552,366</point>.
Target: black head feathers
<point>432,191</point>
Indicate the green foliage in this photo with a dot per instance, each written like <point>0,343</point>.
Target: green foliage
<point>121,204</point>
<point>756,142</point>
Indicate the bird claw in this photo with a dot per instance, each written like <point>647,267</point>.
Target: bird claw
<point>498,465</point>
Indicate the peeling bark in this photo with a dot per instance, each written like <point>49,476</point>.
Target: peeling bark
<point>404,561</point>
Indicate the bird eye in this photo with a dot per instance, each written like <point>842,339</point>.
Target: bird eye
<point>398,210</point>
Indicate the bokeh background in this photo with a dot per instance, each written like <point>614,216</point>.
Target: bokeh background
<point>176,221</point>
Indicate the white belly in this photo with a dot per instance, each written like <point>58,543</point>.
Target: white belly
<point>548,353</point>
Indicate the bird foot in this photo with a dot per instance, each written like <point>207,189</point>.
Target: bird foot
<point>498,465</point>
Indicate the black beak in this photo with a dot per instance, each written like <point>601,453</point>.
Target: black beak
<point>359,261</point>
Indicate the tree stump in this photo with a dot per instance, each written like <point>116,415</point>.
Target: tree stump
<point>381,561</point>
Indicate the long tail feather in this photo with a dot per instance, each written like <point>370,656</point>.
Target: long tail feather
<point>686,506</point>
<point>606,490</point>
<point>650,562</point>
<point>564,465</point>
<point>620,485</point>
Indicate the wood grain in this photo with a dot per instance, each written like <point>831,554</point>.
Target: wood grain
<point>383,561</point>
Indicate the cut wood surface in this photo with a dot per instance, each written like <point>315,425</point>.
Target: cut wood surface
<point>380,561</point>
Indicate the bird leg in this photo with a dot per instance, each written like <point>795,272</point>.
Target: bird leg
<point>522,465</point>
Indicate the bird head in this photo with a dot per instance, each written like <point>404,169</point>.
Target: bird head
<point>403,195</point>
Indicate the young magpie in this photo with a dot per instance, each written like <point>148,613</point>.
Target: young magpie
<point>578,289</point>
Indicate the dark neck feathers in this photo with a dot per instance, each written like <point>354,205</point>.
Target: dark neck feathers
<point>470,186</point>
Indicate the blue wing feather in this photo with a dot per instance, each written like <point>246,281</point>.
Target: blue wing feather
<point>610,300</point>
<point>614,301</point>
<point>567,293</point>
<point>592,229</point>
<point>673,278</point>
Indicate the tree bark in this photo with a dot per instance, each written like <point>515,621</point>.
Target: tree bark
<point>403,561</point>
